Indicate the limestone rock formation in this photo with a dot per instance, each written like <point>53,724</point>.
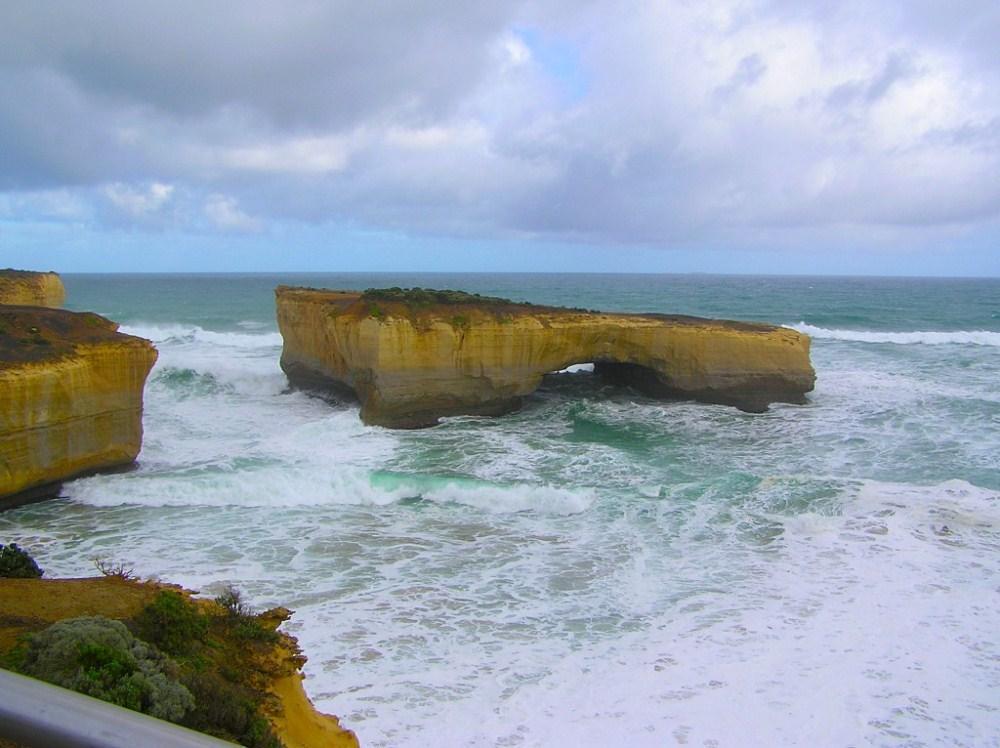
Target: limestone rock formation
<point>27,288</point>
<point>71,393</point>
<point>414,356</point>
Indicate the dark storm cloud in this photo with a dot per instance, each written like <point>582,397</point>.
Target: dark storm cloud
<point>297,64</point>
<point>82,79</point>
<point>638,122</point>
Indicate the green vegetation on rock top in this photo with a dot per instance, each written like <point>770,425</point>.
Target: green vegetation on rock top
<point>430,297</point>
<point>205,665</point>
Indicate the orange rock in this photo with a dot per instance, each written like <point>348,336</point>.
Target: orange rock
<point>28,288</point>
<point>410,364</point>
<point>71,391</point>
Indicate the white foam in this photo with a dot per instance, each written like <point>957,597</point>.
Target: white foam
<point>956,337</point>
<point>951,504</point>
<point>856,629</point>
<point>282,485</point>
<point>161,334</point>
<point>576,369</point>
<point>515,498</point>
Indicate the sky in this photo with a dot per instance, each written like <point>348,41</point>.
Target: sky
<point>729,136</point>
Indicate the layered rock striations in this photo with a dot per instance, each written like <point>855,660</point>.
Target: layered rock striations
<point>71,390</point>
<point>414,356</point>
<point>27,288</point>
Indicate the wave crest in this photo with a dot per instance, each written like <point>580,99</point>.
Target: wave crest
<point>924,337</point>
<point>195,334</point>
<point>278,486</point>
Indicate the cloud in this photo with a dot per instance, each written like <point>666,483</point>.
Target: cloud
<point>666,123</point>
<point>61,205</point>
<point>224,213</point>
<point>139,202</point>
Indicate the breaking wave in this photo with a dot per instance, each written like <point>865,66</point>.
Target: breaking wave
<point>195,334</point>
<point>954,337</point>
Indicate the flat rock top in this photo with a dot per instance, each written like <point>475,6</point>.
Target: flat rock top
<point>32,334</point>
<point>425,304</point>
<point>10,275</point>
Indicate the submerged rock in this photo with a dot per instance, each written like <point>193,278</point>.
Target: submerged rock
<point>71,390</point>
<point>27,288</point>
<point>414,356</point>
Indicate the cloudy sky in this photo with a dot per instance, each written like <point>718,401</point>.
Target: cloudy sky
<point>711,135</point>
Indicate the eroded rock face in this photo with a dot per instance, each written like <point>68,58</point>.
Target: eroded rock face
<point>410,364</point>
<point>70,397</point>
<point>26,288</point>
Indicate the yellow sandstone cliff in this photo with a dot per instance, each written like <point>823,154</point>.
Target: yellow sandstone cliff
<point>414,356</point>
<point>71,393</point>
<point>27,288</point>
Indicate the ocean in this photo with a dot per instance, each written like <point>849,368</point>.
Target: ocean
<point>599,568</point>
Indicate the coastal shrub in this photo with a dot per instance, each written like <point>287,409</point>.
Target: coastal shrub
<point>101,658</point>
<point>232,600</point>
<point>425,297</point>
<point>173,623</point>
<point>17,563</point>
<point>429,296</point>
<point>227,710</point>
<point>243,618</point>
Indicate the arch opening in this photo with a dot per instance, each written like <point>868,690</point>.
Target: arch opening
<point>642,379</point>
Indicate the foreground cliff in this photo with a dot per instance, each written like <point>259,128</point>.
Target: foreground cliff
<point>71,393</point>
<point>244,677</point>
<point>27,288</point>
<point>413,356</point>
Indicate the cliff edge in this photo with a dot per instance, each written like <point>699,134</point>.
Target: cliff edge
<point>71,390</point>
<point>413,356</point>
<point>238,667</point>
<point>28,288</point>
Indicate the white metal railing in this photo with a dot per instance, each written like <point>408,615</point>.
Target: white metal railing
<point>35,713</point>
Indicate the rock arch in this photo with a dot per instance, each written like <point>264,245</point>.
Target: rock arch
<point>411,363</point>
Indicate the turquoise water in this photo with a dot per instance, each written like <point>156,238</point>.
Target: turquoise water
<point>599,566</point>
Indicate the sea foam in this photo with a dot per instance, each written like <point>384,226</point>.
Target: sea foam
<point>956,337</point>
<point>195,334</point>
<point>226,483</point>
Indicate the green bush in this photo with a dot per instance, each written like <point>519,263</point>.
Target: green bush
<point>429,296</point>
<point>100,657</point>
<point>227,710</point>
<point>173,623</point>
<point>15,562</point>
<point>243,618</point>
<point>232,600</point>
